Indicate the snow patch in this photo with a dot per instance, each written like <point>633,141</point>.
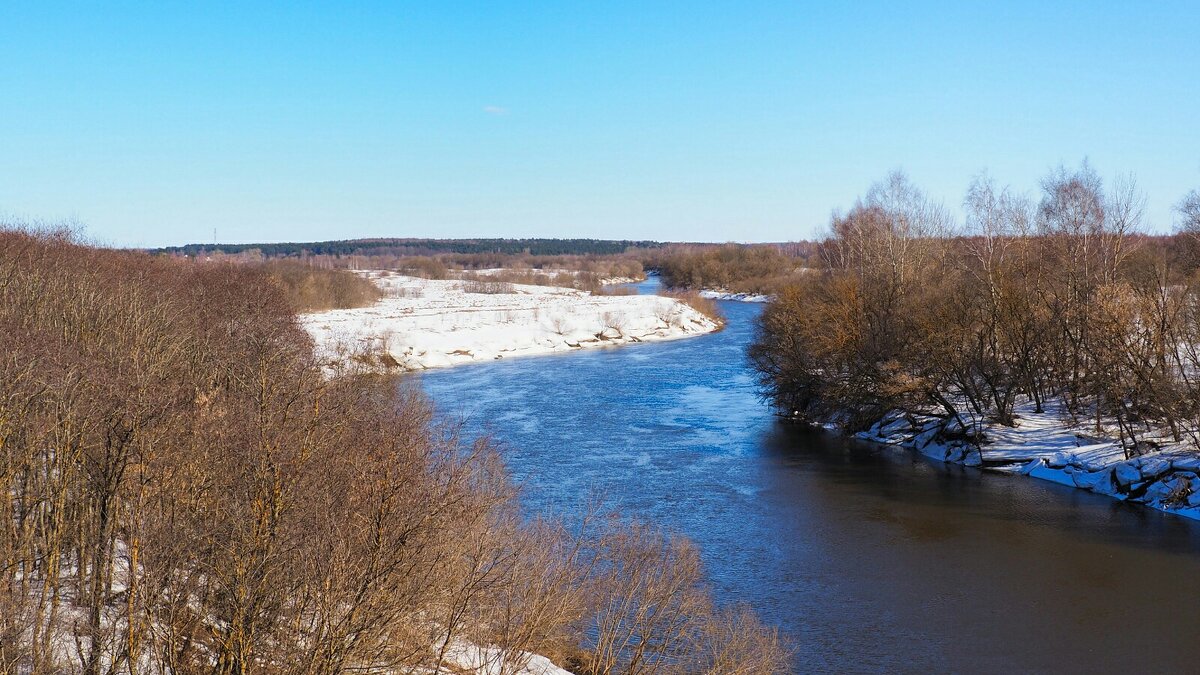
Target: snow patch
<point>469,657</point>
<point>718,294</point>
<point>1042,446</point>
<point>424,323</point>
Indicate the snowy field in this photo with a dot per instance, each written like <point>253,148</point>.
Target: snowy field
<point>1042,446</point>
<point>423,323</point>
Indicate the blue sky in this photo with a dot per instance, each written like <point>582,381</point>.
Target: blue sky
<point>742,121</point>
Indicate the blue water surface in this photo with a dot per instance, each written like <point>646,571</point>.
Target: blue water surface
<point>868,559</point>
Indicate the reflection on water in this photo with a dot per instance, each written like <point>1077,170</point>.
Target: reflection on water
<point>870,559</point>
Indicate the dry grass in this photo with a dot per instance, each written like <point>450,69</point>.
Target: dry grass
<point>693,299</point>
<point>615,290</point>
<point>488,287</point>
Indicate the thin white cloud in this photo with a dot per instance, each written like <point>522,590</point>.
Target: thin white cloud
<point>495,110</point>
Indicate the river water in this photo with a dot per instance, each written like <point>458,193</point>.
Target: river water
<point>869,559</point>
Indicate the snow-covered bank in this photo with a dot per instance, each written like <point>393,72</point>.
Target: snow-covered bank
<point>423,323</point>
<point>717,294</point>
<point>1041,446</point>
<point>467,657</point>
<point>616,281</point>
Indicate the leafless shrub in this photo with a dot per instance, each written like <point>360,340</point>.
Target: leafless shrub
<point>731,267</point>
<point>1188,209</point>
<point>405,292</point>
<point>615,322</point>
<point>487,287</point>
<point>428,268</point>
<point>652,612</point>
<point>734,642</point>
<point>619,290</point>
<point>559,324</point>
<point>314,289</point>
<point>587,281</point>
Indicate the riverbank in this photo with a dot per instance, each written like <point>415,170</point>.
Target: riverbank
<point>720,294</point>
<point>1042,446</point>
<point>424,323</point>
<point>794,522</point>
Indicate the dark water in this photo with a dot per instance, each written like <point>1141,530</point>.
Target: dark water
<point>871,560</point>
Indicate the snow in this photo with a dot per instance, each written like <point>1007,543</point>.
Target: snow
<point>719,294</point>
<point>424,323</point>
<point>1041,445</point>
<point>462,656</point>
<point>619,281</point>
<point>469,657</point>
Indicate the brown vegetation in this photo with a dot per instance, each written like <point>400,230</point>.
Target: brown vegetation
<point>760,268</point>
<point>487,286</point>
<point>565,278</point>
<point>584,272</point>
<point>321,281</point>
<point>701,304</point>
<point>309,288</point>
<point>1056,302</point>
<point>615,291</point>
<point>185,491</point>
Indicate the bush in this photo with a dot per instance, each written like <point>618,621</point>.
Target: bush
<point>316,289</point>
<point>615,291</point>
<point>761,269</point>
<point>426,268</point>
<point>487,287</point>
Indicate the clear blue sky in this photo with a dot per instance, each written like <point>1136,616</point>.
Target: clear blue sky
<point>154,124</point>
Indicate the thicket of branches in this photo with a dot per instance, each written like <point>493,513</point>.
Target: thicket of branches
<point>311,288</point>
<point>1060,302</point>
<point>760,268</point>
<point>184,490</point>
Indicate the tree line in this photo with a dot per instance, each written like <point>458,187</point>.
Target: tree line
<point>1060,301</point>
<point>186,488</point>
<point>308,275</point>
<point>416,246</point>
<point>737,268</point>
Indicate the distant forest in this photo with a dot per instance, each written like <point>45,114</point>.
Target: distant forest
<point>417,247</point>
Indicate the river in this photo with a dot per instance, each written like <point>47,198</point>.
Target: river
<point>869,559</point>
